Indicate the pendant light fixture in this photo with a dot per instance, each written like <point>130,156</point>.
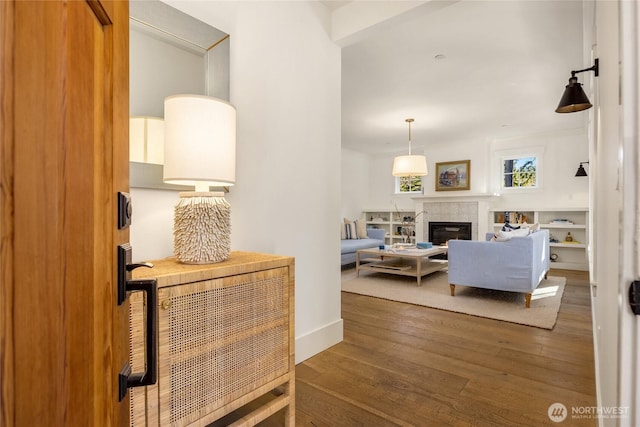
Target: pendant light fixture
<point>574,99</point>
<point>411,165</point>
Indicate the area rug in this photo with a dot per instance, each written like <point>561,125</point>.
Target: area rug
<point>435,293</point>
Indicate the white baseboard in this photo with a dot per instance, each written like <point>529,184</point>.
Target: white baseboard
<point>314,342</point>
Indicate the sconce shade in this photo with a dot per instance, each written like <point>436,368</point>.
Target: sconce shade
<point>581,171</point>
<point>574,99</point>
<point>200,141</point>
<point>410,165</point>
<point>146,140</point>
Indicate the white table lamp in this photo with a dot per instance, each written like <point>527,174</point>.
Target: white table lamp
<point>200,150</point>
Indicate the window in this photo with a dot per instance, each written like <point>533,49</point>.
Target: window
<point>408,184</point>
<point>520,172</point>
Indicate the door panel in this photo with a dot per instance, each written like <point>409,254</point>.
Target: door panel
<point>64,156</point>
<point>629,341</point>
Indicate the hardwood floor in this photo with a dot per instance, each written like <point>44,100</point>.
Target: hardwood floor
<point>406,365</point>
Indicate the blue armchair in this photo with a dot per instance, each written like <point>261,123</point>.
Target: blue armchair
<point>517,265</point>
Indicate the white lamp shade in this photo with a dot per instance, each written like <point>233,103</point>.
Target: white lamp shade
<point>410,165</point>
<point>146,140</point>
<point>200,141</point>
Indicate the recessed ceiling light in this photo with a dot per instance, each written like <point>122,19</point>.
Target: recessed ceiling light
<point>439,56</point>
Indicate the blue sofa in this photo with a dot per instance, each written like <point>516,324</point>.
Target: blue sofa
<point>518,264</point>
<point>348,247</point>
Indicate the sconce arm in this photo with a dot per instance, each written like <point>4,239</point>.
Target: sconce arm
<point>595,68</point>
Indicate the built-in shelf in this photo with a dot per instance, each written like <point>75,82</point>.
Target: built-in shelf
<point>570,256</point>
<point>390,221</point>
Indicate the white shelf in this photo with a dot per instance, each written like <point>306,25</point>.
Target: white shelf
<point>388,226</point>
<point>571,256</point>
<point>568,245</point>
<point>576,226</point>
<point>569,266</point>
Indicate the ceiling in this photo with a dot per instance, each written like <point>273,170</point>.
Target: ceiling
<point>470,70</point>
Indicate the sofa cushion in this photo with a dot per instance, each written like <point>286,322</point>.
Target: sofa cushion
<point>348,246</point>
<point>377,234</point>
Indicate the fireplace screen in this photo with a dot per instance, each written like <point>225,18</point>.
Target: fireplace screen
<point>441,232</point>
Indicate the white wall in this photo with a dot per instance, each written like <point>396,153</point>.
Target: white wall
<point>476,151</point>
<point>355,183</point>
<point>563,152</point>
<point>382,185</point>
<point>285,84</point>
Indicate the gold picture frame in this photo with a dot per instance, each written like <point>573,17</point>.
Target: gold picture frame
<point>453,176</point>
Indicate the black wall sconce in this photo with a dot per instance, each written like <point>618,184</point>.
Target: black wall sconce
<point>574,99</point>
<point>581,171</point>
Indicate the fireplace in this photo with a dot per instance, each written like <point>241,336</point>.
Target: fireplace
<point>441,232</point>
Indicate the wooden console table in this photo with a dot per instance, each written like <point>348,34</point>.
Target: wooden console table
<point>226,338</point>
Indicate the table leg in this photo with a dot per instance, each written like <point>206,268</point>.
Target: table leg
<point>357,264</point>
<point>418,268</point>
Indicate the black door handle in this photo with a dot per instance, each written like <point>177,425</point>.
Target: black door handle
<point>126,379</point>
<point>150,376</point>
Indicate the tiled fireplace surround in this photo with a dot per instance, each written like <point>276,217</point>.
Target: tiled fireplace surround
<point>454,211</point>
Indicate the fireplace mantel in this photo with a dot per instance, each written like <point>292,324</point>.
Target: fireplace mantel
<point>452,196</point>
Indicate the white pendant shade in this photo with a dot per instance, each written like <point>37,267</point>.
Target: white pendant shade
<point>200,141</point>
<point>411,165</point>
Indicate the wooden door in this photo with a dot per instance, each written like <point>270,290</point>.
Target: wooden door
<point>63,158</point>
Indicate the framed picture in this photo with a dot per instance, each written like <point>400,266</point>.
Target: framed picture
<point>453,176</point>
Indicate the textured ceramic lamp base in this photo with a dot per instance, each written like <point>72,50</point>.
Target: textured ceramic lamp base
<point>202,228</point>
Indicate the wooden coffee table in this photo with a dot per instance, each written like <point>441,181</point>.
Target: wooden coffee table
<point>411,262</point>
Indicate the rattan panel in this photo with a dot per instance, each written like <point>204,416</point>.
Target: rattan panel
<point>225,338</point>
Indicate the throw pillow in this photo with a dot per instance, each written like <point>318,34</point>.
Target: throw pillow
<point>532,227</point>
<point>361,228</point>
<point>508,227</point>
<point>503,236</point>
<point>343,232</point>
<point>350,229</point>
